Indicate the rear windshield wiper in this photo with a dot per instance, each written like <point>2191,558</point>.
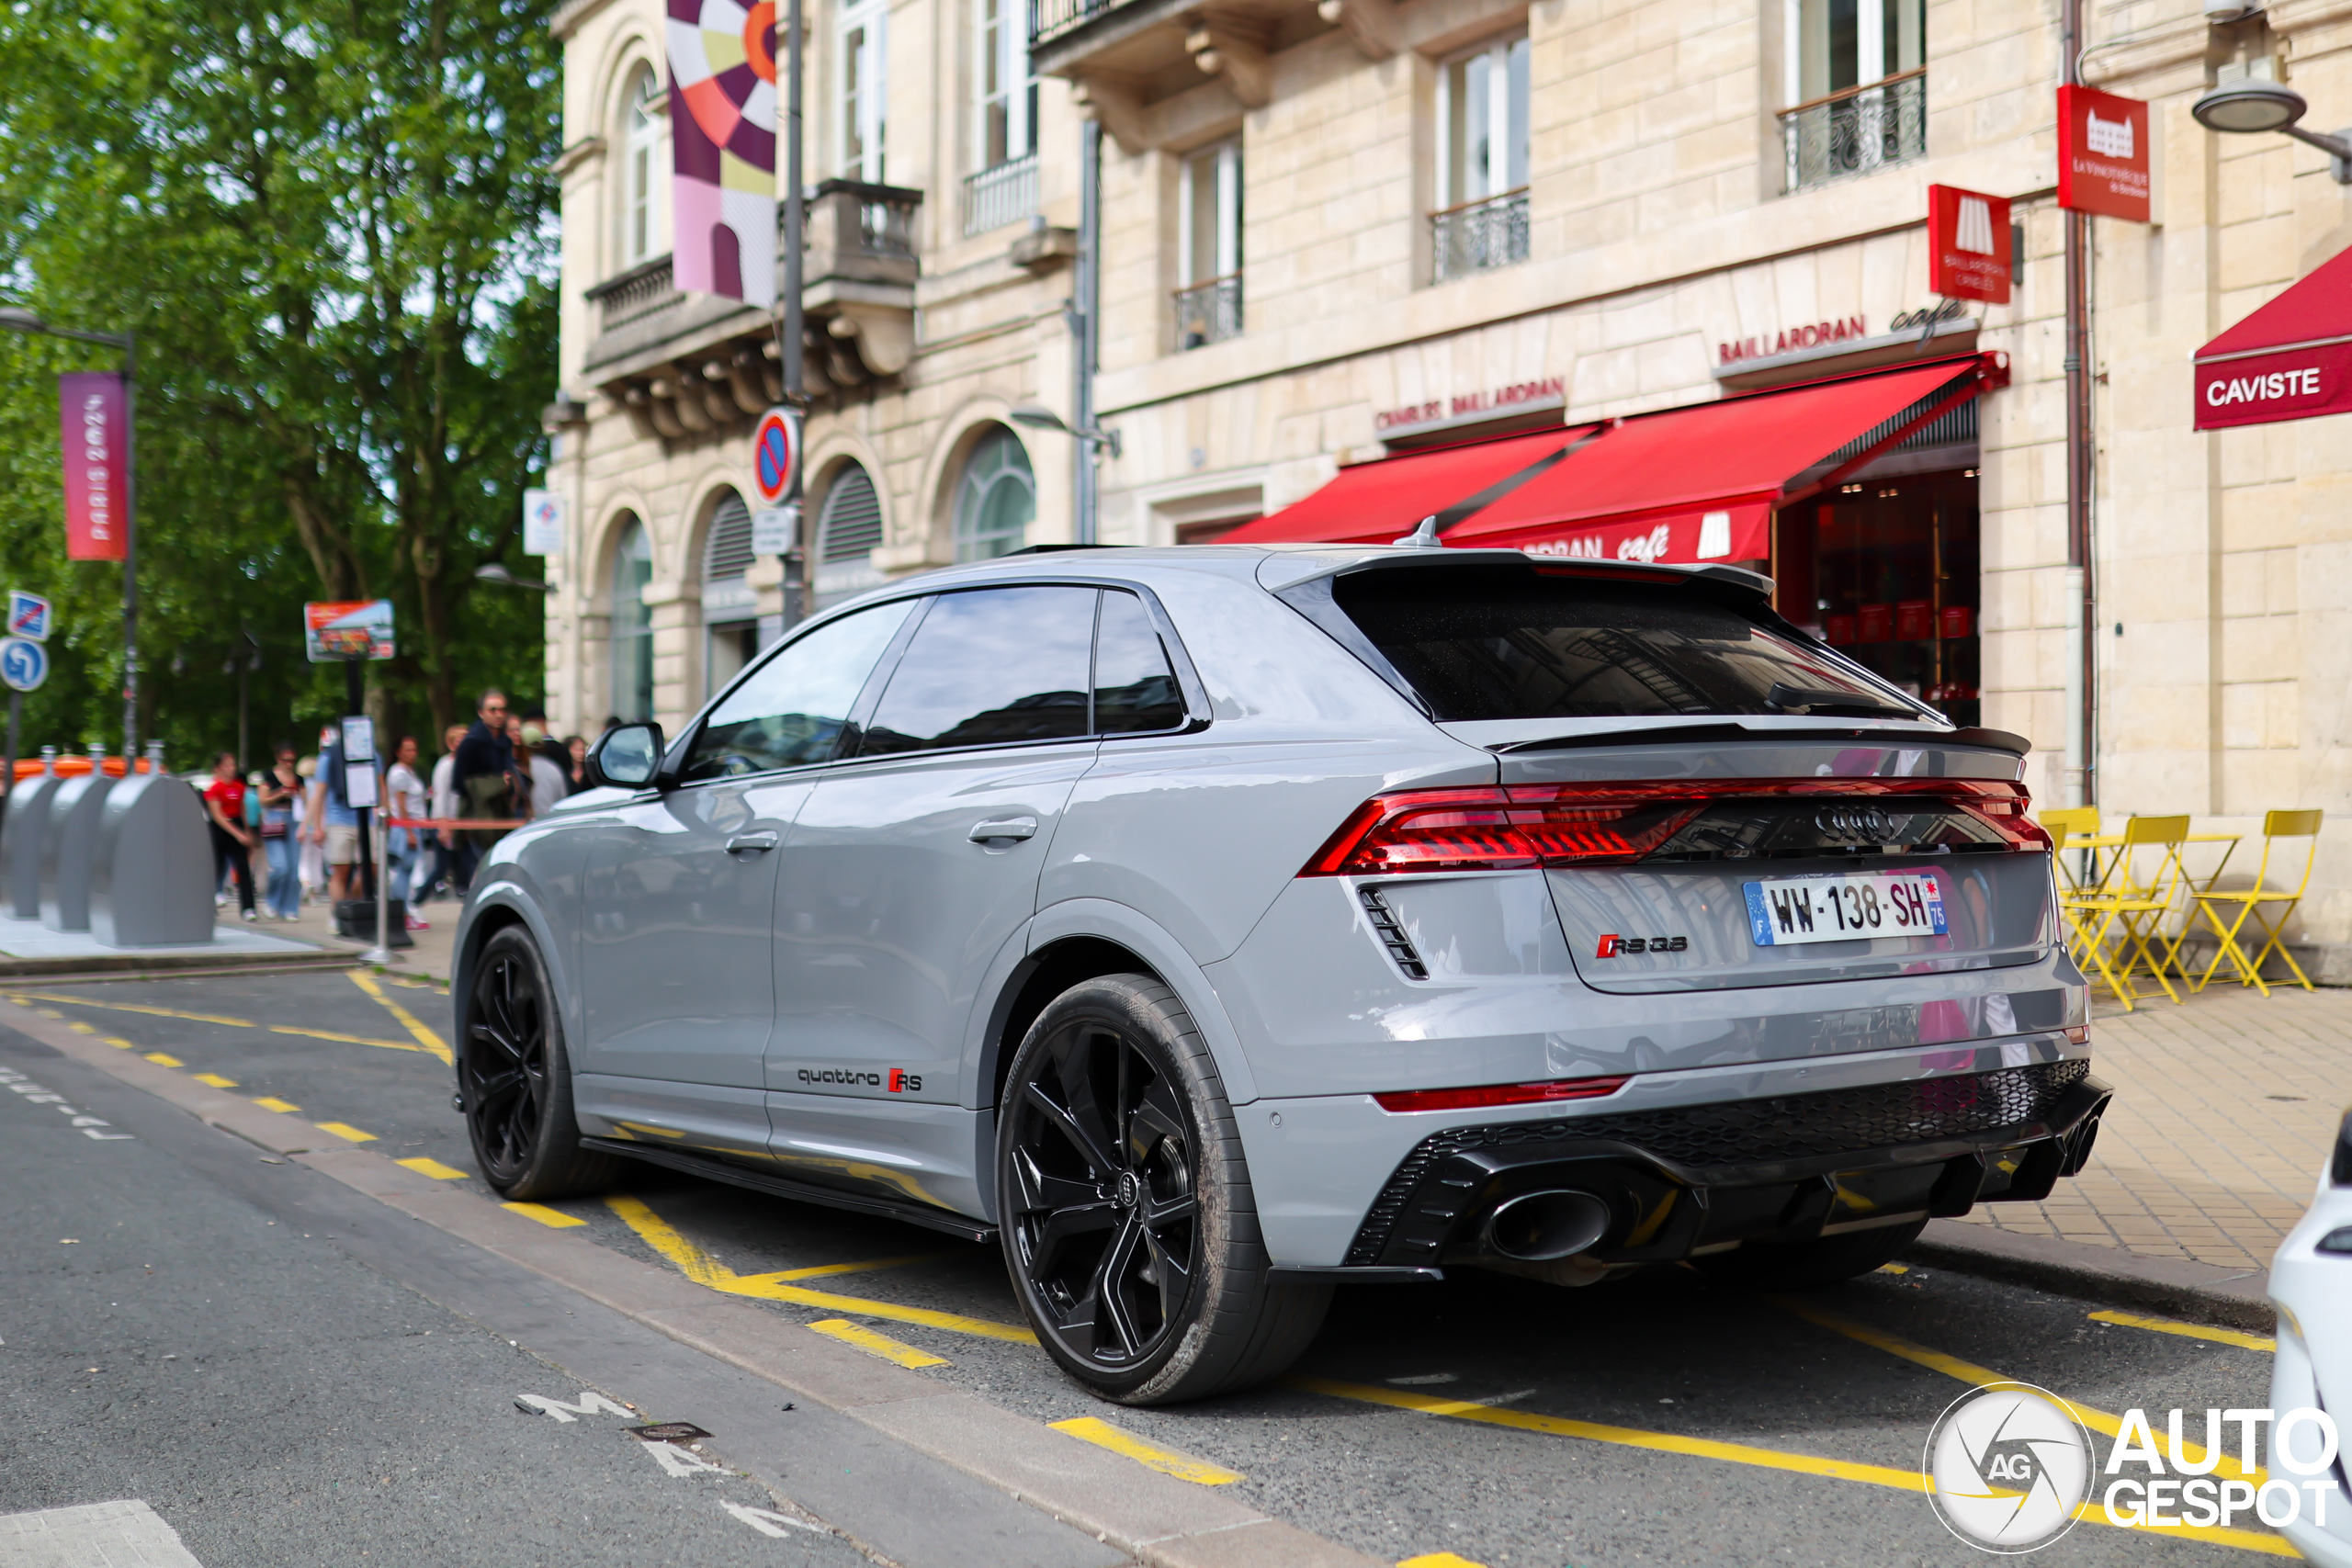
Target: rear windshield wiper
<point>1786,698</point>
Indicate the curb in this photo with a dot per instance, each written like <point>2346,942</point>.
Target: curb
<point>2196,1292</point>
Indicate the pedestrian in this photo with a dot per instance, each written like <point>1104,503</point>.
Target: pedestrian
<point>485,778</point>
<point>404,797</point>
<point>232,845</point>
<point>576,748</point>
<point>443,842</point>
<point>281,792</point>
<point>334,821</point>
<point>551,779</point>
<point>313,862</point>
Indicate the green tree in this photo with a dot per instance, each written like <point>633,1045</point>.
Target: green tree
<point>332,227</point>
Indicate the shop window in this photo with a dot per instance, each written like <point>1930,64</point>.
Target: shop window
<point>1208,242</point>
<point>632,624</point>
<point>996,500</point>
<point>1482,161</point>
<point>644,167</point>
<point>1857,87</point>
<point>1887,572</point>
<point>865,89</point>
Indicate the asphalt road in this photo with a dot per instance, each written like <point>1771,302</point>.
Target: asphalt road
<point>320,1408</point>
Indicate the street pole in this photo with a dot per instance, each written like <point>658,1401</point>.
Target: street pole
<point>16,716</point>
<point>131,552</point>
<point>796,394</point>
<point>2080,453</point>
<point>1086,288</point>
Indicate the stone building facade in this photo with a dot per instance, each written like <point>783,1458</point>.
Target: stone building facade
<point>1336,231</point>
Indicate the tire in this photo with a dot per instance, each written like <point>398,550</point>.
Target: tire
<point>1125,1213</point>
<point>1809,1265</point>
<point>516,1081</point>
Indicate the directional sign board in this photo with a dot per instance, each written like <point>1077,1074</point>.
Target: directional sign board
<point>772,444</point>
<point>348,629</point>
<point>27,615</point>
<point>24,664</point>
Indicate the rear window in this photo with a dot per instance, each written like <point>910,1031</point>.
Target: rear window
<point>1509,644</point>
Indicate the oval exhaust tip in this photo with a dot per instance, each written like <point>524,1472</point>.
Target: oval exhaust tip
<point>1540,1227</point>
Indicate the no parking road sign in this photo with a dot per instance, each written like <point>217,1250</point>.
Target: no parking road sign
<point>24,663</point>
<point>774,445</point>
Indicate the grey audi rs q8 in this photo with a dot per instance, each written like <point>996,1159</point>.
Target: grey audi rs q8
<point>1212,925</point>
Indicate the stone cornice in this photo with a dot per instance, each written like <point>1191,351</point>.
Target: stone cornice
<point>570,17</point>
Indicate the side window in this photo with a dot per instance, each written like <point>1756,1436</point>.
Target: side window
<point>986,667</point>
<point>1135,690</point>
<point>794,707</point>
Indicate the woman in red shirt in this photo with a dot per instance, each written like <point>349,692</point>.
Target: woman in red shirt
<point>233,844</point>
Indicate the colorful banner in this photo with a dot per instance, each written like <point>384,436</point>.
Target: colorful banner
<point>722,135</point>
<point>91,416</point>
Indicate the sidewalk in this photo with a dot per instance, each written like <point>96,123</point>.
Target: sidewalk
<point>2225,1109</point>
<point>428,960</point>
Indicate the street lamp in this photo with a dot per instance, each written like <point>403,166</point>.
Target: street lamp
<point>2255,106</point>
<point>16,319</point>
<point>496,571</point>
<point>1047,419</point>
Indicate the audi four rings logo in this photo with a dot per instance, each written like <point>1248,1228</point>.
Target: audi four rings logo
<point>898,1081</point>
<point>1855,824</point>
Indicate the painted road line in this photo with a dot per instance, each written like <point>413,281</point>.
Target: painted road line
<point>1439,1559</point>
<point>216,1080</point>
<point>80,1027</point>
<point>896,1351</point>
<point>426,1165</point>
<point>2186,1330</point>
<point>1731,1453</point>
<point>554,1219</point>
<point>822,1270</point>
<point>345,1130</point>
<point>271,1102</point>
<point>2098,1420</point>
<point>161,1060</point>
<point>118,1043</point>
<point>1894,1268</point>
<point>224,1022</point>
<point>703,1270</point>
<point>1168,1461</point>
<point>408,1021</point>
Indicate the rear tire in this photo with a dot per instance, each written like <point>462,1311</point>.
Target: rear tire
<point>517,1081</point>
<point>1809,1265</point>
<point>1127,1215</point>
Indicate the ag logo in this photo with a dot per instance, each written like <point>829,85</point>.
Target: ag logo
<point>2008,1466</point>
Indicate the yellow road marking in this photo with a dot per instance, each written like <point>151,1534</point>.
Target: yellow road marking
<point>270,1103</point>
<point>1168,1461</point>
<point>2187,1330</point>
<point>703,1270</point>
<point>429,1043</point>
<point>346,1130</point>
<point>1439,1559</point>
<point>424,1165</point>
<point>1894,1268</point>
<point>162,1061</point>
<point>216,1080</point>
<point>1734,1453</point>
<point>80,1027</point>
<point>873,1344</point>
<point>554,1218</point>
<point>408,1021</point>
<point>2098,1420</point>
<point>118,1043</point>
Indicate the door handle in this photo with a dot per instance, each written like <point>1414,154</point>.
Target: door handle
<point>751,843</point>
<point>1007,827</point>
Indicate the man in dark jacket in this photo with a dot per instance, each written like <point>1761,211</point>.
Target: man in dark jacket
<point>484,776</point>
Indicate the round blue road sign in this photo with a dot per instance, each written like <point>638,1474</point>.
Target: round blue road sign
<point>24,663</point>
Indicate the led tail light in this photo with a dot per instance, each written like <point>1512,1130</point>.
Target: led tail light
<point>1612,823</point>
<point>1500,1094</point>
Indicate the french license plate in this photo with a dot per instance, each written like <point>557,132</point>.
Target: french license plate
<point>1789,910</point>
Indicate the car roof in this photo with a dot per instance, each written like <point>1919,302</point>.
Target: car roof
<point>1279,566</point>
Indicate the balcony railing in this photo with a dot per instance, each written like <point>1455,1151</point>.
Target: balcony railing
<point>1856,131</point>
<point>851,219</point>
<point>640,292</point>
<point>1479,236</point>
<point>1049,19</point>
<point>1006,194</point>
<point>1208,312</point>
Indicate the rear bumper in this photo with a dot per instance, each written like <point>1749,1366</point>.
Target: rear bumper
<point>1685,1161</point>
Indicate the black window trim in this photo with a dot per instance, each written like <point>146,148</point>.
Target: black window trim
<point>1197,716</point>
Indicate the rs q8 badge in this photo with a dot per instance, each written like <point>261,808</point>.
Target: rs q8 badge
<point>1615,946</point>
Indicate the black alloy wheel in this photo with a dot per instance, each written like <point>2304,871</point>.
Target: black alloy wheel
<point>1104,1209</point>
<point>506,1063</point>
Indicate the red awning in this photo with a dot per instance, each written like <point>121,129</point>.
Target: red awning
<point>1373,503</point>
<point>2291,359</point>
<point>1701,483</point>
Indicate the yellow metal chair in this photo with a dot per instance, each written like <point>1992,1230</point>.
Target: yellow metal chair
<point>2247,904</point>
<point>2064,822</point>
<point>2131,908</point>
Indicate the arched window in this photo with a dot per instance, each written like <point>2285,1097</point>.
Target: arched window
<point>997,499</point>
<point>643,165</point>
<point>849,525</point>
<point>727,551</point>
<point>731,607</point>
<point>632,624</point>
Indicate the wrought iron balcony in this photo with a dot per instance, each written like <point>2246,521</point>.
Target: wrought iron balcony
<point>1005,194</point>
<point>1208,312</point>
<point>1856,131</point>
<point>1479,236</point>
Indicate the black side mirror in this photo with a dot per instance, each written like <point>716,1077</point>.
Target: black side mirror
<point>627,756</point>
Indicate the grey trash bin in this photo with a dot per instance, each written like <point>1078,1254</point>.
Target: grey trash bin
<point>21,839</point>
<point>150,879</point>
<point>69,848</point>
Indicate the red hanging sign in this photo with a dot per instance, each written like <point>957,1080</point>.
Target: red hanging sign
<point>91,410</point>
<point>2102,153</point>
<point>1968,245</point>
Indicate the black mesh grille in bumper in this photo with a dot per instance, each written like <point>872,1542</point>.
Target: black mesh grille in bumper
<point>1738,1134</point>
